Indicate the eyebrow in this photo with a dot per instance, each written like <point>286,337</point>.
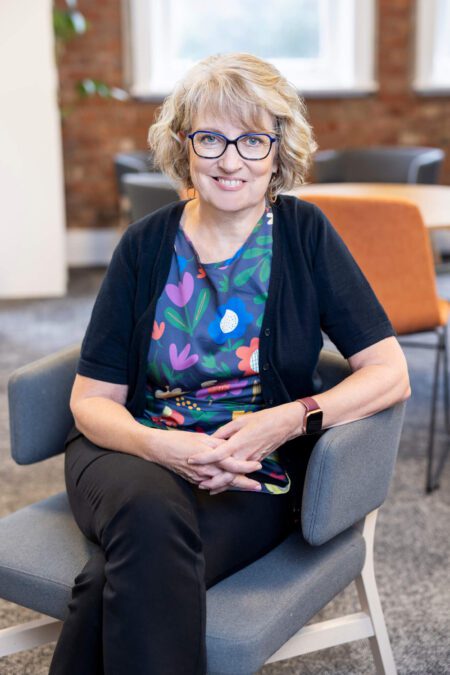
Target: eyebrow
<point>217,131</point>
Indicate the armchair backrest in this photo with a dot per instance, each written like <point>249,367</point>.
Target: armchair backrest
<point>39,413</point>
<point>379,164</point>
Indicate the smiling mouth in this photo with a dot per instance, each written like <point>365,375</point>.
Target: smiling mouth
<point>229,182</point>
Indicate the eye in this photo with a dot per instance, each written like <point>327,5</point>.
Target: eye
<point>254,141</point>
<point>207,139</point>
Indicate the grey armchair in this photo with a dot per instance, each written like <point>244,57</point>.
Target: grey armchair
<point>250,621</point>
<point>383,164</point>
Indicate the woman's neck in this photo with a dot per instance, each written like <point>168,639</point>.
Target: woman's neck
<point>219,227</point>
<point>217,235</point>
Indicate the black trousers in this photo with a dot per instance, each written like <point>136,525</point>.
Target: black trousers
<point>139,604</point>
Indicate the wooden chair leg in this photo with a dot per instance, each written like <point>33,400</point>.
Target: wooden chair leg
<point>28,635</point>
<point>370,602</point>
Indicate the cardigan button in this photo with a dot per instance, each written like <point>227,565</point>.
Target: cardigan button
<point>267,331</point>
<point>271,401</point>
<point>266,366</point>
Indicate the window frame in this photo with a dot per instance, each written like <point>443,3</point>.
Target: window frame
<point>357,59</point>
<point>426,80</point>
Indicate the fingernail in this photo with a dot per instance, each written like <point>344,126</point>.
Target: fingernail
<point>259,465</point>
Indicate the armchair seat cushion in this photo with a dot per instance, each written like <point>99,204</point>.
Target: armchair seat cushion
<point>42,551</point>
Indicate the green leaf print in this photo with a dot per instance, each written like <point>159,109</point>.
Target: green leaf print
<point>176,320</point>
<point>168,374</point>
<point>237,344</point>
<point>209,362</point>
<point>201,415</point>
<point>264,272</point>
<point>224,285</point>
<point>253,253</point>
<point>225,368</point>
<point>202,303</point>
<point>260,299</point>
<point>153,371</point>
<point>244,276</point>
<point>259,320</point>
<point>264,241</point>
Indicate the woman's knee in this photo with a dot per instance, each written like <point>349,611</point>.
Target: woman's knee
<point>149,508</point>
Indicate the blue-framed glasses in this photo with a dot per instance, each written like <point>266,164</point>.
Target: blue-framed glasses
<point>211,145</point>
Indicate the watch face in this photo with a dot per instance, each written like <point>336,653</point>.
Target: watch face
<point>314,421</point>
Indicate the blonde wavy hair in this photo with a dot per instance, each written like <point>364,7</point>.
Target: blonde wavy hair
<point>238,86</point>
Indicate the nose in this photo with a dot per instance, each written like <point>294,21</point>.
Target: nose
<point>231,160</point>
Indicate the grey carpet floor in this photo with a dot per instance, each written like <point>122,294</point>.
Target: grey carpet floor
<point>412,540</point>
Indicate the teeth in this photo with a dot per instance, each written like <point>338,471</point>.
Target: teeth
<point>231,183</point>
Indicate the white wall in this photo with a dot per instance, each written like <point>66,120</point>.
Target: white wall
<point>32,220</point>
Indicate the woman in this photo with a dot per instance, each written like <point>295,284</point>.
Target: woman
<point>177,428</point>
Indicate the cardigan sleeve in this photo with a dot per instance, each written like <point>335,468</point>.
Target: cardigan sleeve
<point>350,313</point>
<point>106,345</point>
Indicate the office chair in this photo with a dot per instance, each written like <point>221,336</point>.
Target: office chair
<point>383,164</point>
<point>258,614</point>
<point>390,242</point>
<point>148,192</point>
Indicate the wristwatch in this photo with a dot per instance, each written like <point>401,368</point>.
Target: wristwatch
<point>312,422</point>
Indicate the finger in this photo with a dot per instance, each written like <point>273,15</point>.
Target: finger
<point>236,465</point>
<point>241,482</point>
<point>210,456</point>
<point>221,480</point>
<point>226,430</point>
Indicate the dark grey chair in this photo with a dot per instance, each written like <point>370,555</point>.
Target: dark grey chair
<point>137,161</point>
<point>255,616</point>
<point>388,164</point>
<point>147,192</point>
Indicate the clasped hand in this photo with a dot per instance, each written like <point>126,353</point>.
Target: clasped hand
<point>245,442</point>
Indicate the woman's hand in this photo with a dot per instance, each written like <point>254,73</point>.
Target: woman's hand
<point>173,448</point>
<point>250,437</point>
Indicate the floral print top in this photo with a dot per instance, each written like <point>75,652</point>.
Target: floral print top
<point>203,366</point>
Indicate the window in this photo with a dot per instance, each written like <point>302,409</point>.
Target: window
<point>321,46</point>
<point>432,46</point>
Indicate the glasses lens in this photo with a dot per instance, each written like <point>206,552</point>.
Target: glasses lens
<point>254,146</point>
<point>208,144</point>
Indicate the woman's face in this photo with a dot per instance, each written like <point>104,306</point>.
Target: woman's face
<point>231,183</point>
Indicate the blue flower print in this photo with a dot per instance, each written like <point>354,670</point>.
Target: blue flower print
<point>231,321</point>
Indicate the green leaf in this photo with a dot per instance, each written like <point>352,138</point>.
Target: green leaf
<point>264,272</point>
<point>203,415</point>
<point>253,252</point>
<point>168,374</point>
<point>264,240</point>
<point>224,285</point>
<point>202,304</point>
<point>238,344</point>
<point>259,320</point>
<point>260,299</point>
<point>153,371</point>
<point>209,362</point>
<point>225,368</point>
<point>176,320</point>
<point>244,276</point>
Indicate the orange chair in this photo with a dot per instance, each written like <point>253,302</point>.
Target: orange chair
<point>390,242</point>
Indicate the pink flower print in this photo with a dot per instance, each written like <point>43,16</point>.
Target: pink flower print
<point>181,361</point>
<point>181,293</point>
<point>220,390</point>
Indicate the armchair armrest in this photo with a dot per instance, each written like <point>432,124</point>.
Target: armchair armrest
<point>39,413</point>
<point>349,473</point>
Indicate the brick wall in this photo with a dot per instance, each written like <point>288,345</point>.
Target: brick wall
<point>96,129</point>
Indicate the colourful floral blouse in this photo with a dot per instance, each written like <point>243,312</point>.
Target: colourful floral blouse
<point>203,367</point>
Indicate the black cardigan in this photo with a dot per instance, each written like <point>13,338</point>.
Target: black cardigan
<point>314,284</point>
